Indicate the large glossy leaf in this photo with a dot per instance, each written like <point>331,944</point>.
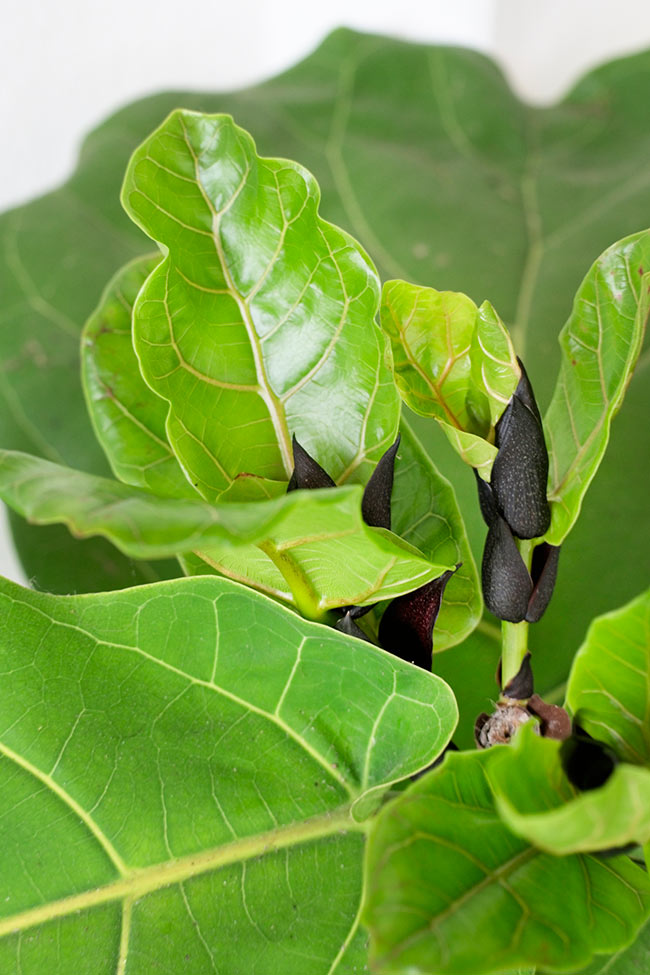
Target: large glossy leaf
<point>600,346</point>
<point>318,539</point>
<point>428,889</point>
<point>184,767</point>
<point>609,684</point>
<point>448,180</point>
<point>453,361</point>
<point>130,421</point>
<point>536,800</point>
<point>259,323</point>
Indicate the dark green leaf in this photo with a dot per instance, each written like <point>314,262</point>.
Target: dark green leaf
<point>147,739</point>
<point>452,891</point>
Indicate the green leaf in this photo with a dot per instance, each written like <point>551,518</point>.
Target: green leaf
<point>536,800</point>
<point>629,961</point>
<point>259,323</point>
<point>318,539</point>
<point>600,346</point>
<point>609,684</point>
<point>448,179</point>
<point>453,361</point>
<point>129,419</point>
<point>427,888</point>
<point>425,513</point>
<point>146,743</point>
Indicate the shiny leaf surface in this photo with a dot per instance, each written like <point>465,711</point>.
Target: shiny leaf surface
<point>600,346</point>
<point>453,361</point>
<point>318,537</point>
<point>609,684</point>
<point>418,150</point>
<point>128,418</point>
<point>259,323</point>
<point>427,889</point>
<point>146,742</point>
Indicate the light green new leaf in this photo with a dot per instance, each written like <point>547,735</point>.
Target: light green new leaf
<point>600,345</point>
<point>609,684</point>
<point>129,419</point>
<point>451,890</point>
<point>536,800</point>
<point>180,769</point>
<point>453,361</point>
<point>318,539</point>
<point>259,323</point>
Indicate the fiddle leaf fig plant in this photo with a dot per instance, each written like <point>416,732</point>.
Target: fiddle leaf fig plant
<point>254,765</point>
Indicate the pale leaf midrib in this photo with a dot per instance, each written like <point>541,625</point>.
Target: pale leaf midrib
<point>146,880</point>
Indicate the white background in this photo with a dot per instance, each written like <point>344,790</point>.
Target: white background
<point>65,65</point>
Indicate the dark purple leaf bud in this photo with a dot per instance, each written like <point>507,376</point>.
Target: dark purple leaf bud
<point>406,628</point>
<point>587,763</point>
<point>520,471</point>
<point>520,687</point>
<point>507,586</point>
<point>375,505</point>
<point>486,500</point>
<point>543,572</point>
<point>307,473</point>
<point>347,625</point>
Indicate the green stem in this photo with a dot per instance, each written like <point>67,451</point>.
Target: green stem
<point>514,636</point>
<point>304,595</point>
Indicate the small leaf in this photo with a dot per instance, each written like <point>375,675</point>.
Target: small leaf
<point>600,345</point>
<point>452,360</point>
<point>146,742</point>
<point>319,536</point>
<point>259,322</point>
<point>609,684</point>
<point>536,800</point>
<point>427,890</point>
